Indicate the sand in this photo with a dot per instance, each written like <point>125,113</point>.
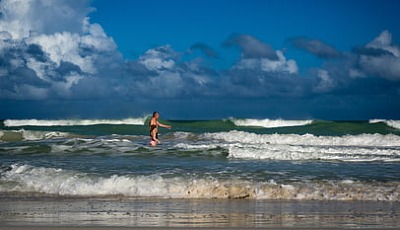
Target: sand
<point>32,212</point>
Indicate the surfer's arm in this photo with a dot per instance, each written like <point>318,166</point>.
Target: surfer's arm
<point>164,126</point>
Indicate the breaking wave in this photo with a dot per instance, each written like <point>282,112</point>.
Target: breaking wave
<point>295,153</point>
<point>269,123</point>
<point>369,140</point>
<point>363,147</point>
<point>392,123</point>
<point>29,135</point>
<point>52,181</point>
<point>74,122</point>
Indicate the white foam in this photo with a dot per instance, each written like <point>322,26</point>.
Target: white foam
<point>392,123</point>
<point>196,146</point>
<point>26,178</point>
<point>73,122</point>
<point>289,152</point>
<point>183,135</point>
<point>39,135</point>
<point>363,147</point>
<point>366,140</point>
<point>101,145</point>
<point>268,123</point>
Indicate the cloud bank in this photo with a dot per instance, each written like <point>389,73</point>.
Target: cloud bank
<point>52,51</point>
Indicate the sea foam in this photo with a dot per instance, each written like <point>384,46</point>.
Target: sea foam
<point>52,181</point>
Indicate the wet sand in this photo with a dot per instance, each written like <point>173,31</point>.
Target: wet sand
<point>21,212</point>
<point>151,228</point>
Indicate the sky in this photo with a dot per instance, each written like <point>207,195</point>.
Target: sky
<point>289,59</point>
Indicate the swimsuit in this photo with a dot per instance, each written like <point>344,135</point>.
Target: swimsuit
<point>152,127</point>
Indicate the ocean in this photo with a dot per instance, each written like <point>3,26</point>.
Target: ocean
<point>254,159</point>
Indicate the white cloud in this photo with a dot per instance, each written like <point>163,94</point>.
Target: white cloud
<point>325,82</point>
<point>95,37</point>
<point>41,69</point>
<point>384,42</point>
<point>63,89</point>
<point>168,77</point>
<point>267,65</point>
<point>22,18</point>
<point>65,47</point>
<point>385,65</point>
<point>168,84</point>
<point>159,58</point>
<point>44,35</point>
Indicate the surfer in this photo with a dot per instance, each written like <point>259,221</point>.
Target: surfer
<point>154,129</point>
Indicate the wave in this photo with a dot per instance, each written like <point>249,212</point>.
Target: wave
<point>301,153</point>
<point>268,123</point>
<point>296,153</point>
<point>363,147</point>
<point>392,123</point>
<point>75,122</point>
<point>367,140</point>
<point>41,180</point>
<point>22,135</point>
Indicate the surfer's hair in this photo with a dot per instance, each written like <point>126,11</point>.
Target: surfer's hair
<point>154,113</point>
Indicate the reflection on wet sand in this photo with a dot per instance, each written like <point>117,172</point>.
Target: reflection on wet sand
<point>53,211</point>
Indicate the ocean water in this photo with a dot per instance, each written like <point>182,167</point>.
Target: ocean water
<point>223,159</point>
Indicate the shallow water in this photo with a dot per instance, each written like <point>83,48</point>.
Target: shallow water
<point>233,158</point>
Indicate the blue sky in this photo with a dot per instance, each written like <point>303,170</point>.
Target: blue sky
<point>137,27</point>
<point>200,59</point>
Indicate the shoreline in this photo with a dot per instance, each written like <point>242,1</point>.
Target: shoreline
<point>155,213</point>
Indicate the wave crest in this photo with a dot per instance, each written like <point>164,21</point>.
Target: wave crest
<point>363,147</point>
<point>269,123</point>
<point>29,135</point>
<point>74,122</point>
<point>392,123</point>
<point>370,140</point>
